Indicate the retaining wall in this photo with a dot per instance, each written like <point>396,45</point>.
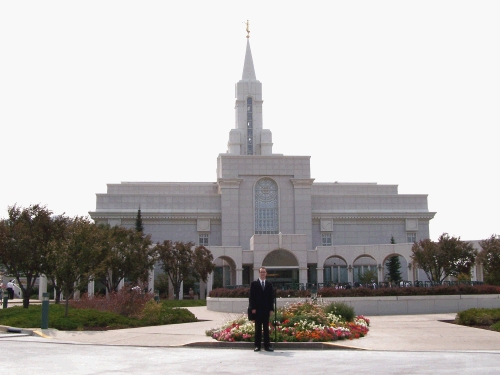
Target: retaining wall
<point>400,305</point>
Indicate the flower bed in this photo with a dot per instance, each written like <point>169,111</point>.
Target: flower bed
<point>298,322</point>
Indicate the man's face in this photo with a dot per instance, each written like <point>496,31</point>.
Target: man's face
<point>262,274</point>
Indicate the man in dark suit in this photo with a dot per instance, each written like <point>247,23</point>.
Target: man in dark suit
<point>261,305</point>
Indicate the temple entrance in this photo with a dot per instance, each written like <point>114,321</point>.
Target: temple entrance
<point>335,271</point>
<point>282,269</point>
<point>282,276</point>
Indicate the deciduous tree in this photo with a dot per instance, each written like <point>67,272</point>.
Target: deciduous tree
<point>448,257</point>
<point>129,255</point>
<point>75,257</point>
<point>489,256</point>
<point>181,260</point>
<point>24,239</point>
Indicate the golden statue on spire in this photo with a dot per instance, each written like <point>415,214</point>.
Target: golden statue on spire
<point>248,28</point>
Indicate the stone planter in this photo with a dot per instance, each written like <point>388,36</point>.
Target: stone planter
<point>396,305</point>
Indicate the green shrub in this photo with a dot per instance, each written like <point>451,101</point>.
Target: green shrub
<point>184,302</point>
<point>473,317</point>
<point>496,327</point>
<point>152,312</point>
<point>176,315</point>
<point>78,319</point>
<point>92,319</point>
<point>341,309</point>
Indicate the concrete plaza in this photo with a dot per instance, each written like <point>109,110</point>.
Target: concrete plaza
<point>409,344</point>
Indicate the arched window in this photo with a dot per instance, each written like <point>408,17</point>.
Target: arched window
<point>266,207</point>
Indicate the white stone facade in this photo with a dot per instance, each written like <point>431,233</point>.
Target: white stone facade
<point>266,209</point>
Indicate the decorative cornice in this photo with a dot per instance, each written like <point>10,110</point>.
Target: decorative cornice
<point>154,215</point>
<point>302,182</point>
<point>373,215</point>
<point>228,183</point>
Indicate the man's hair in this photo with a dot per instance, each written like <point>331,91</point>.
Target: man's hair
<point>262,268</point>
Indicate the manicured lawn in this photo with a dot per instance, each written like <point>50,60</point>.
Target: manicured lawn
<point>166,312</point>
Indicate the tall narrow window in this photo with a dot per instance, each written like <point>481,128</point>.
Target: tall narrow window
<point>326,239</point>
<point>266,207</point>
<point>411,237</point>
<point>203,239</point>
<point>249,126</point>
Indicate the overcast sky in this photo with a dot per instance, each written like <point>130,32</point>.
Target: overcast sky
<point>392,92</point>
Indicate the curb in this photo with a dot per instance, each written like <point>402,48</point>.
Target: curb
<point>7,329</point>
<point>276,346</point>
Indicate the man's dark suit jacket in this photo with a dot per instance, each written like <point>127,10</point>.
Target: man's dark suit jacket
<point>261,300</point>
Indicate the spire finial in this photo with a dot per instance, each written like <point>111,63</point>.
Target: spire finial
<point>248,28</point>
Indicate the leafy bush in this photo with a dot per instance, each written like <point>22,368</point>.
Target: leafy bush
<point>174,315</point>
<point>496,326</point>
<point>161,313</point>
<point>93,319</point>
<point>341,309</point>
<point>78,319</point>
<point>152,312</point>
<point>184,302</point>
<point>125,302</point>
<point>482,317</point>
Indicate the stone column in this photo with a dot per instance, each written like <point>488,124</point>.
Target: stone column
<point>91,289</point>
<point>411,270</point>
<point>303,275</point>
<point>239,276</point>
<point>319,274</point>
<point>303,208</point>
<point>151,281</point>
<point>229,191</point>
<point>210,283</point>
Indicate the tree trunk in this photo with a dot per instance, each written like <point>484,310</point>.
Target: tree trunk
<point>57,295</point>
<point>26,291</point>
<point>177,289</point>
<point>26,300</point>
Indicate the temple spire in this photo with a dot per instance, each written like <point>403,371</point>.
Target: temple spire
<point>248,137</point>
<point>248,69</point>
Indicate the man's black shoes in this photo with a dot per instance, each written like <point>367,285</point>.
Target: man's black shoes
<point>267,349</point>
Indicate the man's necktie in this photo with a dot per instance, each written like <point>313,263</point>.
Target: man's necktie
<point>263,285</point>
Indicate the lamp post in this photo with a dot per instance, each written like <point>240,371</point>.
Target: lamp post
<point>45,311</point>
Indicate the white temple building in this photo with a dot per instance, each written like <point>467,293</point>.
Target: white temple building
<point>265,209</point>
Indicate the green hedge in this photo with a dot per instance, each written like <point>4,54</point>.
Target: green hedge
<point>244,292</point>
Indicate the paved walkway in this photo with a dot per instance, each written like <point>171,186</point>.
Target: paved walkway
<point>388,333</point>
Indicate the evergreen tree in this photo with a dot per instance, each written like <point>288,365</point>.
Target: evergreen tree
<point>139,227</point>
<point>393,266</point>
<point>394,269</point>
